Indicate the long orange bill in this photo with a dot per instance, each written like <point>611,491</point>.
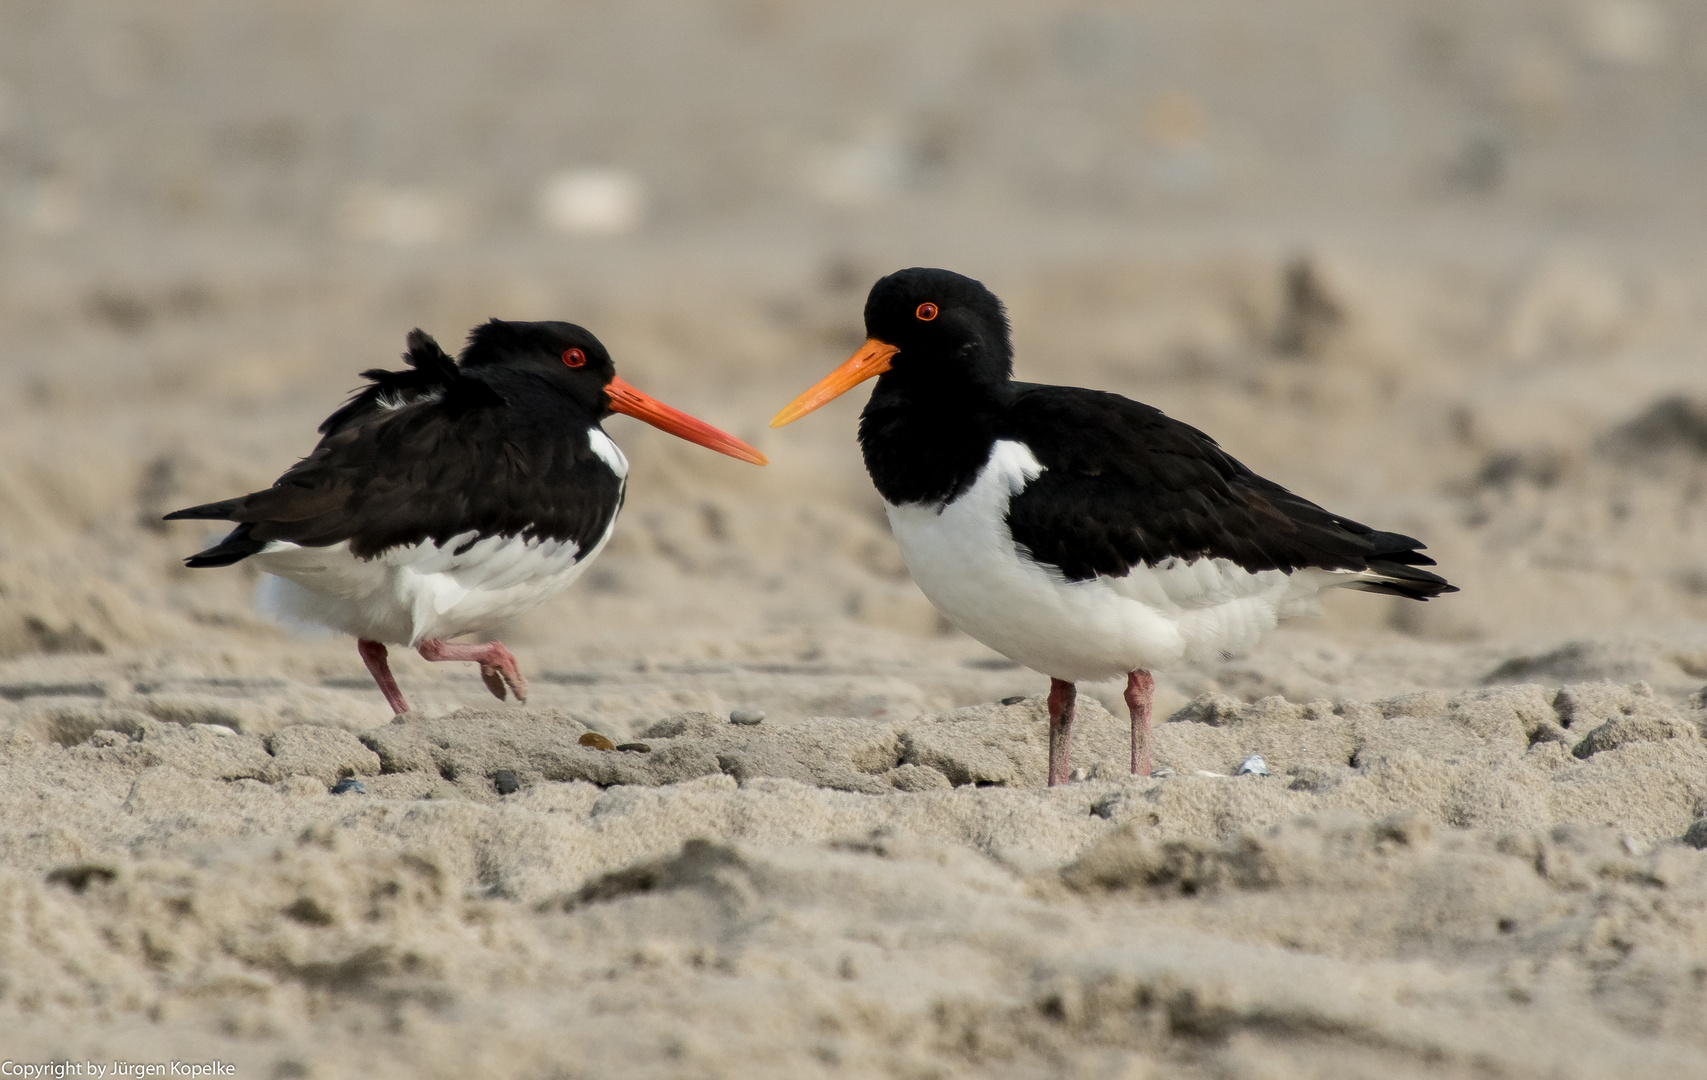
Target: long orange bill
<point>627,400</point>
<point>871,360</point>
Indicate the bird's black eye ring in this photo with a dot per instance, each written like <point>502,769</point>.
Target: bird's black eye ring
<point>926,311</point>
<point>574,357</point>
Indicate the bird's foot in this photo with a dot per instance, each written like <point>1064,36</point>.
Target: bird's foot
<point>501,671</point>
<point>498,668</point>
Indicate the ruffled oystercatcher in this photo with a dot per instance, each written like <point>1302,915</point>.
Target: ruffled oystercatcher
<point>447,498</point>
<point>1074,531</point>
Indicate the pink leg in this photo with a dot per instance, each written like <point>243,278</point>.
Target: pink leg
<point>1061,697</point>
<point>497,664</point>
<point>1139,687</point>
<point>373,655</point>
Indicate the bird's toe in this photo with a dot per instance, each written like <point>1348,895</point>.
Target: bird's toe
<point>494,680</point>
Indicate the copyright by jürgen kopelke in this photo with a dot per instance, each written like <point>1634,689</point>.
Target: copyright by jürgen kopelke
<point>58,1070</point>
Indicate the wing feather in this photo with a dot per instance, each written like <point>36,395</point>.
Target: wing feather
<point>1125,485</point>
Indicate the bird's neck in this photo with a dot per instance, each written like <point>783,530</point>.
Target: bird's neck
<point>925,440</point>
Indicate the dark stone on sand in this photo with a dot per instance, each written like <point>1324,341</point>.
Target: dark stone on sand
<point>78,878</point>
<point>307,911</point>
<point>504,780</point>
<point>596,741</point>
<point>349,785</point>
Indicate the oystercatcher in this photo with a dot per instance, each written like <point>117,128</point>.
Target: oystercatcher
<point>1074,531</point>
<point>447,498</point>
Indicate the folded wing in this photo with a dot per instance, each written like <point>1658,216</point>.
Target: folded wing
<point>1126,486</point>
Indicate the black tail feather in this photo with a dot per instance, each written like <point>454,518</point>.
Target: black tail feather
<point>236,547</point>
<point>1398,548</point>
<point>213,511</point>
<point>1400,577</point>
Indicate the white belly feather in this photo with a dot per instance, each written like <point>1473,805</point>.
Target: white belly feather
<point>965,560</point>
<point>407,595</point>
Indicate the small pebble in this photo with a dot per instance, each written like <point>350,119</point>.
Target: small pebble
<point>636,747</point>
<point>1015,700</point>
<point>1253,766</point>
<point>596,741</point>
<point>505,781</point>
<point>1161,772</point>
<point>1078,774</point>
<point>747,716</point>
<point>349,785</point>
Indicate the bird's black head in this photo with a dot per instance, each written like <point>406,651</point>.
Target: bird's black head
<point>938,317</point>
<point>570,360</point>
<point>934,332</point>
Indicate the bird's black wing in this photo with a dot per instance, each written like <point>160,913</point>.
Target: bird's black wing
<point>432,373</point>
<point>453,455</point>
<point>1125,485</point>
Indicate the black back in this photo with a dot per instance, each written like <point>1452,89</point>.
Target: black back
<point>1123,484</point>
<point>498,443</point>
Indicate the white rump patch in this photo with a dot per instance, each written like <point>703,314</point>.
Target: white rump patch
<point>288,604</point>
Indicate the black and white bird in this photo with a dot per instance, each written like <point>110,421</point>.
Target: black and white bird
<point>447,498</point>
<point>1077,532</point>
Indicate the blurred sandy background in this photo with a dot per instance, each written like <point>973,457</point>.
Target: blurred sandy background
<point>1435,265</point>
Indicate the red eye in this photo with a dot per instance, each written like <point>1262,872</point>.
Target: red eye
<point>927,312</point>
<point>574,357</point>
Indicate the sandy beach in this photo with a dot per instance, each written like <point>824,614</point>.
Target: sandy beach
<point>1436,268</point>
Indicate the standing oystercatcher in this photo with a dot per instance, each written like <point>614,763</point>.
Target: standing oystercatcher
<point>448,498</point>
<point>1074,531</point>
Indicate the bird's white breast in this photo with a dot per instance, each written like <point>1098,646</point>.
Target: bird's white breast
<point>413,593</point>
<point>608,451</point>
<point>964,558</point>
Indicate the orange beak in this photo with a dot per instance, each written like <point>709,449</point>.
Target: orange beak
<point>871,360</point>
<point>628,401</point>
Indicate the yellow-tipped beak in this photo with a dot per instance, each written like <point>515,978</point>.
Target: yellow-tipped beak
<point>871,360</point>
